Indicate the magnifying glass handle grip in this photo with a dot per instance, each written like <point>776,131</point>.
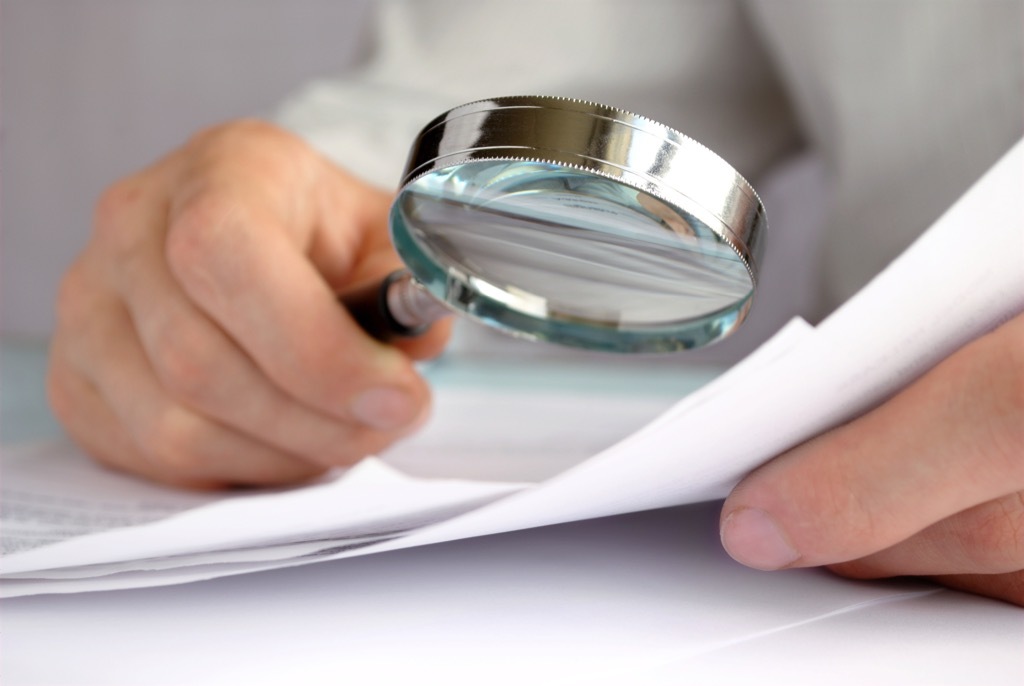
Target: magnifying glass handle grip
<point>394,307</point>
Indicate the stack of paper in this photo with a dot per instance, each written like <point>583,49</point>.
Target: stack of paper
<point>69,527</point>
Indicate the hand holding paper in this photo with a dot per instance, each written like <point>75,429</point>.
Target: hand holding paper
<point>931,482</point>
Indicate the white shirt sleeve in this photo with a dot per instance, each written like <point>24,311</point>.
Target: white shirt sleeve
<point>907,103</point>
<point>695,66</point>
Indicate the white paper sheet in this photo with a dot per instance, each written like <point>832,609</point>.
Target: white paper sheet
<point>47,498</point>
<point>961,279</point>
<point>471,434</point>
<point>368,501</point>
<point>955,283</point>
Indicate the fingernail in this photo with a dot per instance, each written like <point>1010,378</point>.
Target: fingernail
<point>386,409</point>
<point>751,537</point>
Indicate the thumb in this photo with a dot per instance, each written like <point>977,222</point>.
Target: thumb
<point>353,208</point>
<point>948,442</point>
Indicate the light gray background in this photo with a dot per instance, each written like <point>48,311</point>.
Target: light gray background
<point>91,90</point>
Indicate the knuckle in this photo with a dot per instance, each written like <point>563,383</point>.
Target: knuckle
<point>197,225</point>
<point>112,206</point>
<point>198,237</point>
<point>257,151</point>
<point>184,363</point>
<point>241,134</point>
<point>71,304</point>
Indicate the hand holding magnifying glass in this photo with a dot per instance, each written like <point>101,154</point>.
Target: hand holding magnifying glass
<point>569,222</point>
<point>197,339</point>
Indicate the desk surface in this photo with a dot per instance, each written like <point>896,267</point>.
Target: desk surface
<point>647,598</point>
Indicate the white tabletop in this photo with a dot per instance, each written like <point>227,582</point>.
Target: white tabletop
<point>647,598</point>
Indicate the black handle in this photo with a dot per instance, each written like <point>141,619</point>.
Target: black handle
<point>395,307</point>
<point>368,305</point>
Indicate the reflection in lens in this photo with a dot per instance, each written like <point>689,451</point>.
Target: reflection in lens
<point>537,246</point>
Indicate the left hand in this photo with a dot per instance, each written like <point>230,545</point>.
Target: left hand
<point>930,483</point>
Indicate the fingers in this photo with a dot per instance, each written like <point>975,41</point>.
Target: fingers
<point>376,257</point>
<point>949,442</point>
<point>200,341</point>
<point>104,392</point>
<point>90,422</point>
<point>234,249</point>
<point>985,539</point>
<point>979,551</point>
<point>175,444</point>
<point>85,415</point>
<point>203,369</point>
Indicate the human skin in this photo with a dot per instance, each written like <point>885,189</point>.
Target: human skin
<point>200,343</point>
<point>199,340</point>
<point>930,483</point>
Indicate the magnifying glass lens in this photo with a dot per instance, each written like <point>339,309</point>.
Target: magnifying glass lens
<point>555,253</point>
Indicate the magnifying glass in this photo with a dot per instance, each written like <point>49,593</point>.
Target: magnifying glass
<point>570,222</point>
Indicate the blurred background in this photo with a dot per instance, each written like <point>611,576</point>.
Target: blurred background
<point>91,90</point>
